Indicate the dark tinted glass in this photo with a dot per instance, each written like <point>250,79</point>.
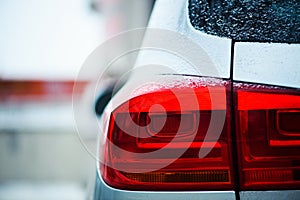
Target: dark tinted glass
<point>247,20</point>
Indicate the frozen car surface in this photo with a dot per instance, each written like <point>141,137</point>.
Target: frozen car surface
<point>226,127</point>
<point>262,20</point>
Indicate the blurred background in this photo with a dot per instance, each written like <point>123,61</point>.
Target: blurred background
<point>43,44</point>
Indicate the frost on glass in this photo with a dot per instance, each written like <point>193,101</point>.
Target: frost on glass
<point>245,20</point>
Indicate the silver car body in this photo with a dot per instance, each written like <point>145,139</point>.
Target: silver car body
<point>266,63</point>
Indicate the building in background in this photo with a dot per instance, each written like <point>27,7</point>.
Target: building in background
<point>42,47</point>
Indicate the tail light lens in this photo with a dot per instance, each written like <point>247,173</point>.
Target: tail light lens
<point>171,139</point>
<point>175,139</point>
<point>268,137</point>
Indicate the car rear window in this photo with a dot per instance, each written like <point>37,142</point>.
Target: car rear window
<point>247,20</point>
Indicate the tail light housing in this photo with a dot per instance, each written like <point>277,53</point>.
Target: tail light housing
<point>174,139</point>
<point>268,137</point>
<point>169,139</point>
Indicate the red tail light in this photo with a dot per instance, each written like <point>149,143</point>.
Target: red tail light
<point>268,134</point>
<point>174,139</point>
<point>171,139</point>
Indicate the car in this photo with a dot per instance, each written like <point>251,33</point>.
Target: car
<point>212,107</point>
